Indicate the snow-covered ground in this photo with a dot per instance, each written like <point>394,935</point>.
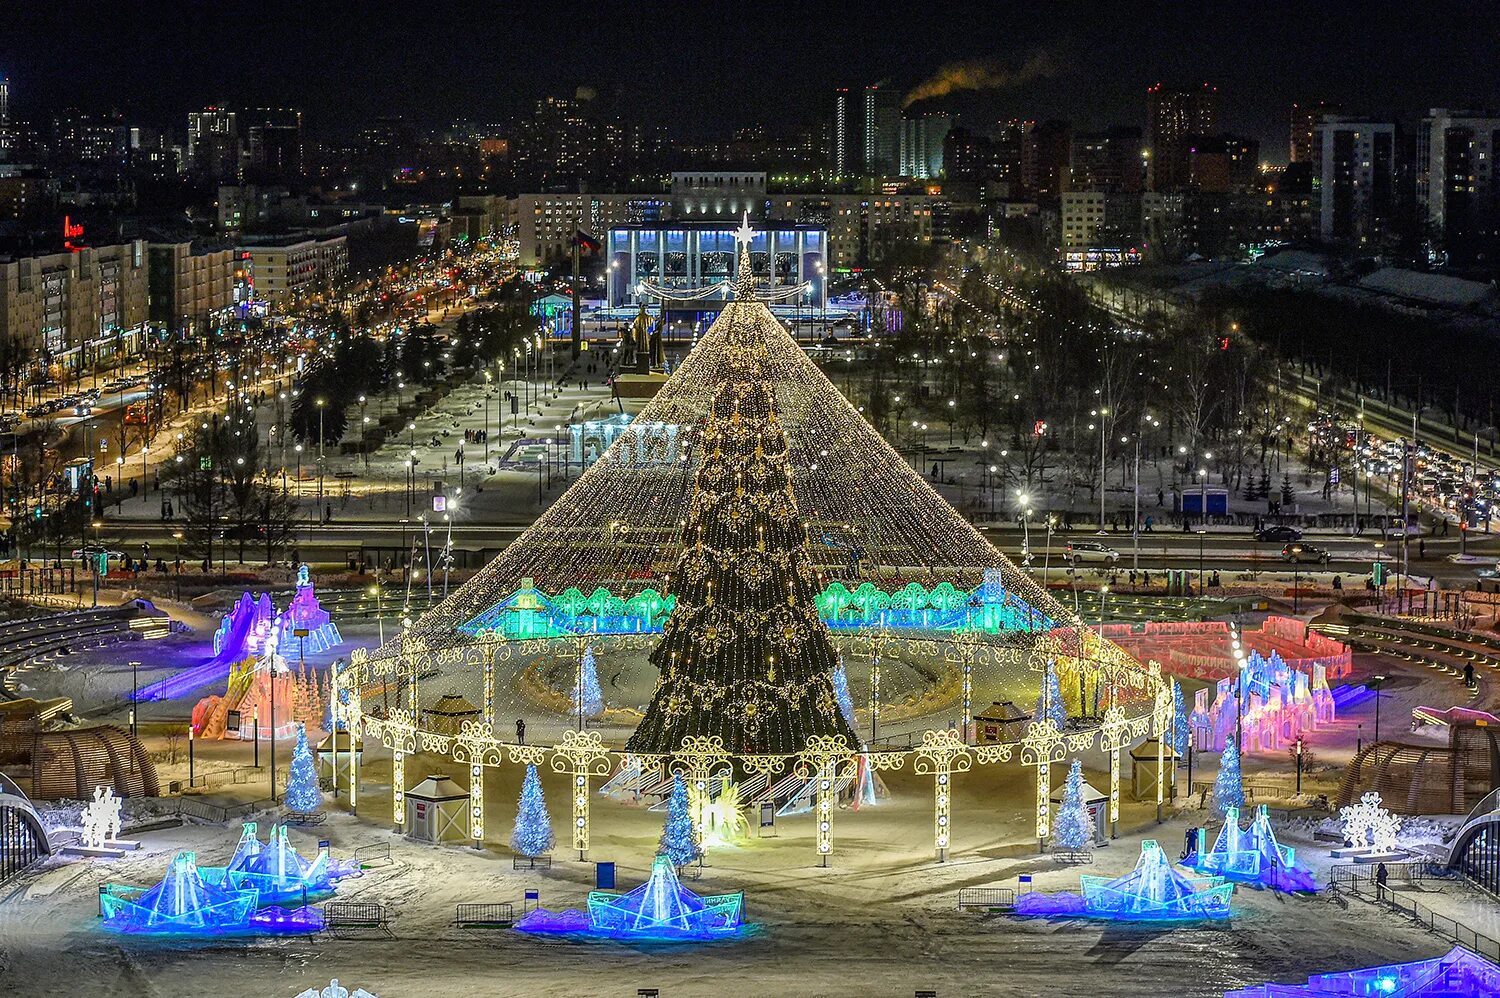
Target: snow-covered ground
<point>880,920</point>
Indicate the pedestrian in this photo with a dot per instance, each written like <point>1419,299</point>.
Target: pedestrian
<point>520,731</point>
<point>1132,577</point>
<point>1149,522</point>
<point>1146,577</point>
<point>1469,675</point>
<point>1421,548</point>
<point>1338,583</point>
<point>1381,875</point>
<point>328,512</point>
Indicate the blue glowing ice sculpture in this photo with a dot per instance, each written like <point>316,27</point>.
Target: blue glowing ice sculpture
<point>660,909</point>
<point>184,904</point>
<point>1251,856</point>
<point>1457,974</point>
<point>276,870</point>
<point>1153,891</point>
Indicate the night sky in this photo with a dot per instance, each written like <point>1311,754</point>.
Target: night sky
<point>705,68</point>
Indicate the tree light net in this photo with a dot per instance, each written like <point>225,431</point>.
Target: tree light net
<point>892,564</point>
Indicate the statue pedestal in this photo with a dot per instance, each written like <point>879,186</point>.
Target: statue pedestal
<point>112,850</point>
<point>1366,854</point>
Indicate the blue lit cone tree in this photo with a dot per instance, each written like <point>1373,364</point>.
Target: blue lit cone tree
<point>679,839</point>
<point>1228,789</point>
<point>302,793</point>
<point>1049,704</point>
<point>588,699</point>
<point>1074,832</point>
<point>841,691</point>
<point>532,836</point>
<point>1181,728</point>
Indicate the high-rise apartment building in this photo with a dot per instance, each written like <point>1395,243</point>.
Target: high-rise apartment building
<point>1302,146</point>
<point>1458,191</point>
<point>1173,117</point>
<point>922,145</point>
<point>1357,187</point>
<point>214,143</point>
<point>866,135</point>
<point>1107,161</point>
<point>273,142</point>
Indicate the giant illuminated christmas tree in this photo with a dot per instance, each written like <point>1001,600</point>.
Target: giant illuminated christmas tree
<point>745,655</point>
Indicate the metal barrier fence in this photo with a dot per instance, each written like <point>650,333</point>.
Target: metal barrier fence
<point>370,853</point>
<point>991,898</point>
<point>488,915</point>
<point>354,915</point>
<point>531,862</point>
<point>1485,946</point>
<point>1359,873</point>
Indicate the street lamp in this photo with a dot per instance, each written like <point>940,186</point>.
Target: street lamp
<point>1100,414</point>
<point>1202,533</point>
<point>1296,577</point>
<point>1024,501</point>
<point>1377,681</point>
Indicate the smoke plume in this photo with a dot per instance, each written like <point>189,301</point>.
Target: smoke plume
<point>980,74</point>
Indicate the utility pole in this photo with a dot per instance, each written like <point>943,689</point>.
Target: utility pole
<point>577,329</point>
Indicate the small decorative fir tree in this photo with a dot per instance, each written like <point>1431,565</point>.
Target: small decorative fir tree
<point>679,839</point>
<point>1264,488</point>
<point>1181,727</point>
<point>1228,790</point>
<point>1288,494</point>
<point>532,835</point>
<point>841,691</point>
<point>1050,705</point>
<point>302,793</point>
<point>588,699</point>
<point>1074,832</point>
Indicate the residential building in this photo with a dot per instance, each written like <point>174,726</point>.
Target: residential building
<point>1045,171</point>
<point>214,147</point>
<point>1458,190</point>
<point>285,270</point>
<point>1357,187</point>
<point>63,308</point>
<point>1107,161</point>
<point>546,224</point>
<point>273,146</point>
<point>188,282</point>
<point>1302,145</point>
<point>922,139</point>
<point>880,130</point>
<point>1173,117</point>
<point>1219,164</point>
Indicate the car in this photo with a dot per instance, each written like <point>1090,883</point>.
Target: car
<point>1278,532</point>
<point>1306,554</point>
<point>94,550</point>
<point>1080,552</point>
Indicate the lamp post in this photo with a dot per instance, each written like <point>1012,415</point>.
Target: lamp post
<point>1024,501</point>
<point>1100,414</point>
<point>1377,681</point>
<point>1202,533</point>
<point>1296,578</point>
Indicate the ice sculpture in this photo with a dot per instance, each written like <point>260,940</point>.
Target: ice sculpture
<point>305,613</point>
<point>1455,974</point>
<point>1281,704</point>
<point>101,819</point>
<point>185,904</point>
<point>276,870</point>
<point>661,908</point>
<point>1251,856</point>
<point>1153,891</point>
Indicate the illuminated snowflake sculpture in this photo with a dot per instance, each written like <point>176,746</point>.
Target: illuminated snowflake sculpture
<point>1153,891</point>
<point>1368,825</point>
<point>1251,856</point>
<point>659,909</point>
<point>185,904</point>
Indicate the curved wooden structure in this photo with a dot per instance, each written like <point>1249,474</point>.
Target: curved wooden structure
<point>72,763</point>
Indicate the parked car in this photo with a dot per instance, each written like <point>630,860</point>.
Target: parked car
<point>1306,554</point>
<point>94,550</point>
<point>1081,552</point>
<point>1278,532</point>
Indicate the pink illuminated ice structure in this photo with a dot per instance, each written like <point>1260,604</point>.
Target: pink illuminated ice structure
<point>1153,891</point>
<point>1251,855</point>
<point>305,613</point>
<point>276,870</point>
<point>1281,705</point>
<point>184,904</point>
<point>659,909</point>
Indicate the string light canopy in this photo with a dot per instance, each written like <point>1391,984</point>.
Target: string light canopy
<point>742,530</point>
